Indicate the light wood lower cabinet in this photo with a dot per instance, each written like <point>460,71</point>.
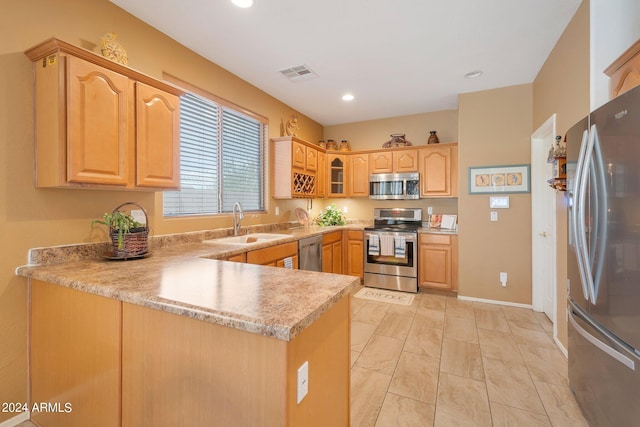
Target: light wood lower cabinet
<point>238,258</point>
<point>274,256</point>
<point>438,261</point>
<point>75,356</point>
<point>355,253</point>
<point>120,364</point>
<point>332,252</point>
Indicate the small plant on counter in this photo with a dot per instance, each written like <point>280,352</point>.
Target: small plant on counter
<point>330,216</point>
<point>121,223</point>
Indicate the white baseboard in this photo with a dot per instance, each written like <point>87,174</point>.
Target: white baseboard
<point>491,301</point>
<point>12,422</point>
<point>562,349</point>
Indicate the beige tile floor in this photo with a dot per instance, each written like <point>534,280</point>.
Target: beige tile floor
<point>447,362</point>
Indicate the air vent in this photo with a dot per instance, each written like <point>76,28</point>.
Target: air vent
<point>301,72</point>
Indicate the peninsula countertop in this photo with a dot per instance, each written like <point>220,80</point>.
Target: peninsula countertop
<point>188,280</point>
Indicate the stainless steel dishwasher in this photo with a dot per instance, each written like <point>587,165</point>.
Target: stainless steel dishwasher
<point>310,253</point>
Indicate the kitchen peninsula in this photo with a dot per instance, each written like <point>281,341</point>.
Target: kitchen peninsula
<point>182,338</point>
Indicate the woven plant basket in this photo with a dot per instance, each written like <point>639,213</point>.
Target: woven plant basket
<point>134,243</point>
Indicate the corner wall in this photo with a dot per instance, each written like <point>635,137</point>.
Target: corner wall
<point>562,87</point>
<point>494,129</point>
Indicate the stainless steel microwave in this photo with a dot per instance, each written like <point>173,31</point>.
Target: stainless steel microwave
<point>394,186</point>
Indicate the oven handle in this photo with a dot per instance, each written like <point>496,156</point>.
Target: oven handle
<point>409,237</point>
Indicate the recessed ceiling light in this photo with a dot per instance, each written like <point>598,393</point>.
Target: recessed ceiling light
<point>243,3</point>
<point>473,74</point>
<point>347,97</point>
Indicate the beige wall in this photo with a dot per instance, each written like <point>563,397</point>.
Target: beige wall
<point>495,129</point>
<point>32,217</point>
<point>562,87</point>
<point>373,133</point>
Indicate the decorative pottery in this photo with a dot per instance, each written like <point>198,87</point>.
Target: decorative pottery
<point>433,138</point>
<point>397,140</point>
<point>344,145</point>
<point>112,49</point>
<point>331,144</point>
<point>322,144</point>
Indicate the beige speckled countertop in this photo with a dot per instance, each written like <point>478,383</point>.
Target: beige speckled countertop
<point>188,280</point>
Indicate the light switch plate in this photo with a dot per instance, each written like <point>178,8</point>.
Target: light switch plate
<point>303,381</point>
<point>499,202</point>
<point>494,216</point>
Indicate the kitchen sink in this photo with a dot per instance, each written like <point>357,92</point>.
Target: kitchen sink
<point>249,239</point>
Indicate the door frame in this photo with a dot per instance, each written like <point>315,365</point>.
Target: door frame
<point>542,258</point>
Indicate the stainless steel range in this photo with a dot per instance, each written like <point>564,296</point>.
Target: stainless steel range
<point>391,249</point>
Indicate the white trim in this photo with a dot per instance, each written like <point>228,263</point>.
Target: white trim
<point>545,131</point>
<point>491,301</point>
<point>12,422</point>
<point>562,349</point>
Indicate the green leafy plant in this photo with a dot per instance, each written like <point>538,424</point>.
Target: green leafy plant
<point>330,216</point>
<point>121,222</point>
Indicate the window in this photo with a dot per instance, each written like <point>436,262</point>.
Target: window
<point>221,159</point>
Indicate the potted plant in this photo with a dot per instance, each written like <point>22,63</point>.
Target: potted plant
<point>128,236</point>
<point>330,216</point>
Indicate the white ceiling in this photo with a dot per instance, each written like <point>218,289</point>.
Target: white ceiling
<point>397,57</point>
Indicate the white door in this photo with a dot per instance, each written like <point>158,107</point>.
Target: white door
<point>543,213</point>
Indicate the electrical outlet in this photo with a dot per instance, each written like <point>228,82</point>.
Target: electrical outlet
<point>277,210</point>
<point>303,381</point>
<point>345,209</point>
<point>503,278</point>
<point>429,210</point>
<point>494,216</point>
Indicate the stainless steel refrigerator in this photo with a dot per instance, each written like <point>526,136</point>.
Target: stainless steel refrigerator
<point>603,191</point>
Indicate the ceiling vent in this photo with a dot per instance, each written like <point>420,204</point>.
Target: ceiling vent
<point>296,74</point>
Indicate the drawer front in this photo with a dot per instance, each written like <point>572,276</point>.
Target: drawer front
<point>435,239</point>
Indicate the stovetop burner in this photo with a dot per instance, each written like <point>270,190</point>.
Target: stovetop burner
<point>396,219</point>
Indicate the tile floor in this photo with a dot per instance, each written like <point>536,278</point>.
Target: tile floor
<point>447,362</point>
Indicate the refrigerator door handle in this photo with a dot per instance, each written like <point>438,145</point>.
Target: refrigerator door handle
<point>581,236</point>
<point>601,345</point>
<point>576,215</point>
<point>600,214</point>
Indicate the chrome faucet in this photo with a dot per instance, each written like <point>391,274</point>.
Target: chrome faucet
<point>238,215</point>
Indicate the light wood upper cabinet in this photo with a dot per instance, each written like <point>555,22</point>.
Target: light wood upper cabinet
<point>439,170</point>
<point>438,261</point>
<point>100,124</point>
<point>336,168</point>
<point>393,161</point>
<point>157,138</point>
<point>98,120</point>
<point>405,161</point>
<point>357,175</point>
<point>381,162</point>
<point>294,168</point>
<point>624,72</point>
<point>321,175</point>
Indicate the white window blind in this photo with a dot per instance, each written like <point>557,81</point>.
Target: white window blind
<point>221,160</point>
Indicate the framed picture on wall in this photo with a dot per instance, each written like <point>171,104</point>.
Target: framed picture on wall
<point>499,179</point>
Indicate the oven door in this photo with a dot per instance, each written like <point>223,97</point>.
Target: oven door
<point>390,261</point>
